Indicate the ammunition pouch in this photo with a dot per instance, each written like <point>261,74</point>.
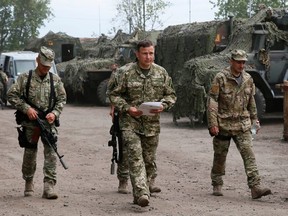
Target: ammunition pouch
<point>20,117</point>
<point>22,139</point>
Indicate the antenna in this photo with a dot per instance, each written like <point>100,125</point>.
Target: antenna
<point>189,11</point>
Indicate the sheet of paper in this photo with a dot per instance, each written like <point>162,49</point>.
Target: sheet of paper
<point>147,106</point>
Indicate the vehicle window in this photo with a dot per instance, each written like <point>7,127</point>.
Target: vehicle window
<point>22,66</point>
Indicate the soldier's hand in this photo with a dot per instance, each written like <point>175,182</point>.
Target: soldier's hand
<point>157,110</point>
<point>256,125</point>
<point>133,111</point>
<point>214,131</point>
<point>32,113</point>
<point>50,117</point>
<point>111,113</point>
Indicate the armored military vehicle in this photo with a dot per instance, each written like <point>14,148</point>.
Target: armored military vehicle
<point>85,79</point>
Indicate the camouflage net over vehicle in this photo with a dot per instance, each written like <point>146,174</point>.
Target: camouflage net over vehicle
<point>192,81</point>
<point>81,76</point>
<point>97,56</point>
<point>76,76</point>
<point>55,42</point>
<point>177,44</point>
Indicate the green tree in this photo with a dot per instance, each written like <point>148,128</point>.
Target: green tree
<point>140,14</point>
<point>242,8</point>
<point>20,21</point>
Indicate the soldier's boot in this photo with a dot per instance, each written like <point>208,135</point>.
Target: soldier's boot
<point>29,188</point>
<point>122,188</point>
<point>217,190</point>
<point>49,192</point>
<point>152,187</point>
<point>257,192</point>
<point>143,201</point>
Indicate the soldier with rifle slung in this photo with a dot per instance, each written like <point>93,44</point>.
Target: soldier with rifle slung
<point>38,94</point>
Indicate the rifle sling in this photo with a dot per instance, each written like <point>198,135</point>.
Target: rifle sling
<point>51,97</point>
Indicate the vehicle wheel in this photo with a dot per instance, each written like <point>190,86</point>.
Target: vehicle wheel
<point>260,103</point>
<point>101,93</point>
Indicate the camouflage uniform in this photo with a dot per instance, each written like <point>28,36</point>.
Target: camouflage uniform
<point>3,81</point>
<point>141,134</point>
<point>123,167</point>
<point>232,108</point>
<point>39,93</point>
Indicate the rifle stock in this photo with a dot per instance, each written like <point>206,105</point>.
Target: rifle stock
<point>51,141</point>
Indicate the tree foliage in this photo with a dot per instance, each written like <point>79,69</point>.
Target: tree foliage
<point>20,21</point>
<point>140,14</point>
<point>242,8</point>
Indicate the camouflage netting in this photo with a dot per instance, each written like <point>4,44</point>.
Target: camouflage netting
<point>192,81</point>
<point>105,47</point>
<point>80,75</point>
<point>55,41</point>
<point>76,75</point>
<point>177,44</point>
<point>98,56</point>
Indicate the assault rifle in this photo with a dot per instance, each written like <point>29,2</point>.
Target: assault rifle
<point>115,139</point>
<point>51,140</point>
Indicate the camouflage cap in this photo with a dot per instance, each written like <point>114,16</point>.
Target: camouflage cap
<point>46,56</point>
<point>238,55</point>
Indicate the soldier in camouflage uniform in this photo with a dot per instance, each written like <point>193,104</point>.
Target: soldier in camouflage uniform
<point>3,85</point>
<point>142,81</point>
<point>39,93</point>
<point>231,111</point>
<point>122,167</point>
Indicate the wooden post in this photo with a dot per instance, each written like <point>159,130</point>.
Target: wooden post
<point>284,88</point>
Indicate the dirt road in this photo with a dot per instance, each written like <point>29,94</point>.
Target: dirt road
<point>184,163</point>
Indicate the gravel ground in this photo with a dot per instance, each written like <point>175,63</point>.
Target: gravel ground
<point>184,163</point>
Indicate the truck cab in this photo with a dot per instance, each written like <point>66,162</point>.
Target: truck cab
<point>17,62</point>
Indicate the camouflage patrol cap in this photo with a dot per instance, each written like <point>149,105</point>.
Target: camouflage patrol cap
<point>238,55</point>
<point>46,56</point>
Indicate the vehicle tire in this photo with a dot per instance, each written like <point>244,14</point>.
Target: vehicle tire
<point>101,93</point>
<point>260,103</point>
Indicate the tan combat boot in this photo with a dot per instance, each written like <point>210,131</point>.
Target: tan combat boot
<point>122,188</point>
<point>29,188</point>
<point>257,192</point>
<point>48,192</point>
<point>217,190</point>
<point>143,201</point>
<point>152,187</point>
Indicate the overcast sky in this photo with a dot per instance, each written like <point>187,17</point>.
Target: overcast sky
<point>87,18</point>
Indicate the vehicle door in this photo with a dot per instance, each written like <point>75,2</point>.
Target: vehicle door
<point>278,56</point>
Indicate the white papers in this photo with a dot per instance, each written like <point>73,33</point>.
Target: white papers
<point>147,106</point>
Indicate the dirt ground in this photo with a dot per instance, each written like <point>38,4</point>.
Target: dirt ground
<point>184,163</point>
